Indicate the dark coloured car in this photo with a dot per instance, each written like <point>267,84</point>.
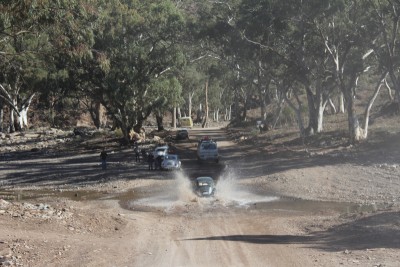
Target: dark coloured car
<point>204,186</point>
<point>182,134</point>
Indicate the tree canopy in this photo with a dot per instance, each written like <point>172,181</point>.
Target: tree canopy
<point>138,58</point>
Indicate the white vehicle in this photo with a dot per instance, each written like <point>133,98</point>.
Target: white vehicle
<point>160,151</point>
<point>171,162</point>
<point>207,150</point>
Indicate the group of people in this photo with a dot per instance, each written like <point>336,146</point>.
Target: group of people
<point>153,162</point>
<point>139,153</point>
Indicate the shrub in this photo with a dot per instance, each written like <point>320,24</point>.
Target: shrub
<point>118,133</point>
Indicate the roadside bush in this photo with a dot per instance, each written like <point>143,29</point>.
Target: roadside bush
<point>288,116</point>
<point>118,133</point>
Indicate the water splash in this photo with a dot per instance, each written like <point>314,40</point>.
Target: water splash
<point>184,188</point>
<point>185,195</point>
<point>179,195</point>
<point>176,196</point>
<point>230,192</point>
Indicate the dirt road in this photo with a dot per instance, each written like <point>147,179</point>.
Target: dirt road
<point>268,210</point>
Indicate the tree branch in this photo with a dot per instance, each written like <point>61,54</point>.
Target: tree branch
<point>6,96</point>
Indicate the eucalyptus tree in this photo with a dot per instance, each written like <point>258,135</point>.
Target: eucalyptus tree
<point>216,42</point>
<point>33,36</point>
<point>220,43</point>
<point>214,94</point>
<point>284,34</point>
<point>70,35</point>
<point>20,45</point>
<point>385,16</point>
<point>307,59</point>
<point>258,29</point>
<point>342,29</point>
<point>221,82</point>
<point>171,91</point>
<point>136,42</point>
<point>192,81</point>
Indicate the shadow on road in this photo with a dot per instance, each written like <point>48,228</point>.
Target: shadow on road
<point>359,234</point>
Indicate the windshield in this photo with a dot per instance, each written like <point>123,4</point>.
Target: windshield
<point>211,146</point>
<point>171,157</point>
<point>200,184</point>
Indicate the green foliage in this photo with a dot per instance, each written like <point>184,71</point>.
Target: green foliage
<point>138,57</point>
<point>288,116</point>
<point>136,46</point>
<point>168,92</point>
<point>118,133</point>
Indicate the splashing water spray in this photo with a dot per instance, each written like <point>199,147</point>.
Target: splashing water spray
<point>184,188</point>
<point>230,192</point>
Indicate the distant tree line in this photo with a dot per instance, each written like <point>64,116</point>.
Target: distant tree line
<point>196,58</point>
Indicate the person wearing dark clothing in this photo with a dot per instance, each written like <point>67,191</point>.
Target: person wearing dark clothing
<point>150,160</point>
<point>103,157</point>
<point>137,155</point>
<point>144,154</point>
<point>159,160</point>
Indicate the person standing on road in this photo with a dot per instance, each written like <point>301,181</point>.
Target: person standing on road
<point>144,154</point>
<point>150,160</point>
<point>137,154</point>
<point>103,157</point>
<point>159,160</point>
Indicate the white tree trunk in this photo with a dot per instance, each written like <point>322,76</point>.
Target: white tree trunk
<point>389,90</point>
<point>23,119</point>
<point>174,118</point>
<point>381,82</point>
<point>23,112</point>
<point>341,103</point>
<point>320,120</point>
<point>190,104</point>
<point>1,115</point>
<point>332,106</point>
<point>205,121</point>
<point>179,112</point>
<point>12,120</point>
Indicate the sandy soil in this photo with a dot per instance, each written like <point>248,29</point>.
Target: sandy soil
<point>278,203</point>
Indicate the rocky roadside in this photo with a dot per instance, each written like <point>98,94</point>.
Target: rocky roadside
<point>12,251</point>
